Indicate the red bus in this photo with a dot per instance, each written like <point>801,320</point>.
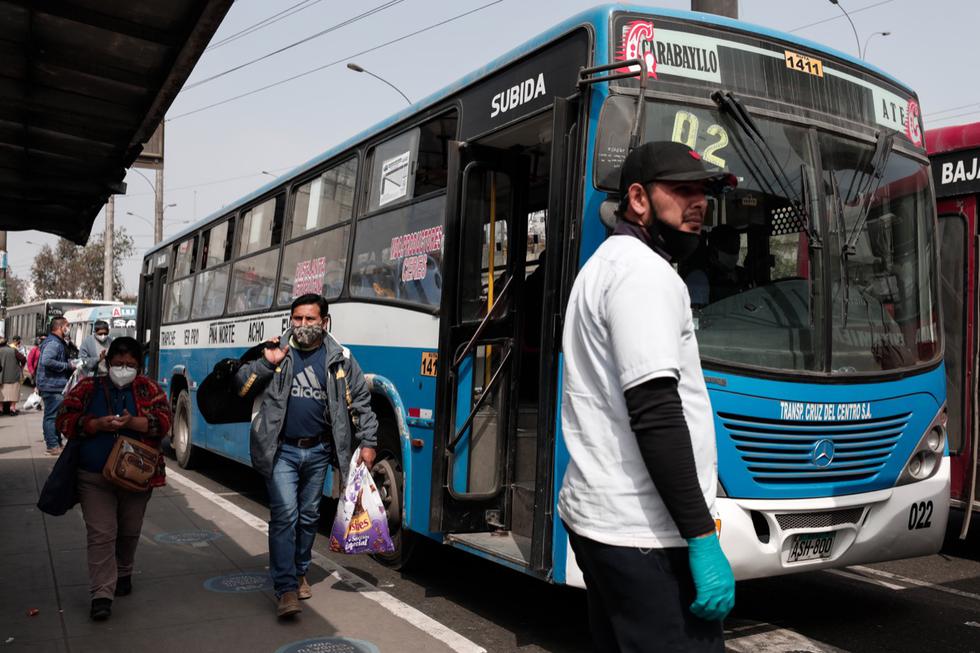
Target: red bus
<point>955,155</point>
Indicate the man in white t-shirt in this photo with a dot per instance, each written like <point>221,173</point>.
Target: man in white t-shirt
<point>638,495</point>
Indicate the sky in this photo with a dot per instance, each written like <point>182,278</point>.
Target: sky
<point>215,156</point>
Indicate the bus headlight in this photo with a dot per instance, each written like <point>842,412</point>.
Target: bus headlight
<point>928,453</point>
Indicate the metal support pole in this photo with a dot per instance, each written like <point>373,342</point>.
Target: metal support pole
<point>727,8</point>
<point>110,211</point>
<point>158,207</point>
<point>3,279</point>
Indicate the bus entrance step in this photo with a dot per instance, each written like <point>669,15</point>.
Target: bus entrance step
<point>502,544</point>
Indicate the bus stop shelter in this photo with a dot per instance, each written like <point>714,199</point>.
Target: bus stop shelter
<point>83,85</point>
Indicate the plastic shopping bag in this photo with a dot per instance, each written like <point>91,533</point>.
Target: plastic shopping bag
<point>33,401</point>
<point>361,525</point>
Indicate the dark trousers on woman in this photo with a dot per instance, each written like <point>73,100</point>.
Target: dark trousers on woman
<point>639,600</point>
<point>113,519</point>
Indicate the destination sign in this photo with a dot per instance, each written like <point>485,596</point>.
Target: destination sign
<point>957,173</point>
<point>682,57</point>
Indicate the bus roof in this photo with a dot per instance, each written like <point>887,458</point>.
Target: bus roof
<point>953,138</point>
<point>598,15</point>
<point>66,300</point>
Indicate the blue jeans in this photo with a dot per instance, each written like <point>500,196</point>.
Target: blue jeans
<point>52,402</point>
<point>295,490</point>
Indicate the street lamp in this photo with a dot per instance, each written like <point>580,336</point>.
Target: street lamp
<point>864,54</point>
<point>848,16</point>
<point>358,69</point>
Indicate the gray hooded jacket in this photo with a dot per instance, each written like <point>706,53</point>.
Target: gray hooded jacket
<point>343,375</point>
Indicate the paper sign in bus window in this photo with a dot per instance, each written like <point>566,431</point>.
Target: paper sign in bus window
<point>308,277</point>
<point>394,178</point>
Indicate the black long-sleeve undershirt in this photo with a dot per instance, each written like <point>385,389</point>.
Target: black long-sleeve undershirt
<point>657,419</point>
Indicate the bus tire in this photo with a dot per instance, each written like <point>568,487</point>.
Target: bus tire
<point>180,437</point>
<point>389,479</point>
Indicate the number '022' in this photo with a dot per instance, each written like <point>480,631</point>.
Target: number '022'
<point>920,515</point>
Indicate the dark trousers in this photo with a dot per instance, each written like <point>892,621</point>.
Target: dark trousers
<point>639,600</point>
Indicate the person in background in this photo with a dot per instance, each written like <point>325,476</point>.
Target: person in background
<point>97,410</point>
<point>53,372</point>
<point>33,356</point>
<point>11,373</point>
<point>640,487</point>
<point>93,350</point>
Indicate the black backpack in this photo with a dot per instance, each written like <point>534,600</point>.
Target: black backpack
<point>217,397</point>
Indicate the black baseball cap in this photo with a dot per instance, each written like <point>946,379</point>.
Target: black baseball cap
<point>670,161</point>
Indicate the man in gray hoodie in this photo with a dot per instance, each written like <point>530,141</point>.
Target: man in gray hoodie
<point>315,409</point>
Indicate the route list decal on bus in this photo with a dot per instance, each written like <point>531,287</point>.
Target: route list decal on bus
<point>755,66</point>
<point>240,332</point>
<point>414,248</point>
<point>308,277</point>
<point>800,411</point>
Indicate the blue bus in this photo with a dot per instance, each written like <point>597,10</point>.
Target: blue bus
<point>447,239</point>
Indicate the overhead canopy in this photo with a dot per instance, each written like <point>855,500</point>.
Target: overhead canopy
<point>83,84</point>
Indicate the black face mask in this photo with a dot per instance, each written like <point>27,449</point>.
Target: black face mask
<point>678,244</point>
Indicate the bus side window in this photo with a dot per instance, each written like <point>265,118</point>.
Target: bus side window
<point>261,226</point>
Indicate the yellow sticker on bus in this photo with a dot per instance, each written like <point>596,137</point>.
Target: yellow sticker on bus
<point>803,63</point>
<point>429,360</point>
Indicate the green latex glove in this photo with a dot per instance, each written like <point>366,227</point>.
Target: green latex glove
<point>713,578</point>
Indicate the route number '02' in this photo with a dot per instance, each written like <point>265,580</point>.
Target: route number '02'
<point>686,127</point>
<point>920,515</point>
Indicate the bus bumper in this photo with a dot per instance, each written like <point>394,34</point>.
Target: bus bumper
<point>761,537</point>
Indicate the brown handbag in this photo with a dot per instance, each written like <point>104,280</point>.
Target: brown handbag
<point>131,463</point>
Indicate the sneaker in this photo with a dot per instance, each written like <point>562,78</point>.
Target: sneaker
<point>124,586</point>
<point>305,591</point>
<point>54,451</point>
<point>288,605</point>
<point>101,609</point>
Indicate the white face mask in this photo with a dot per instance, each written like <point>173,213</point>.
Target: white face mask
<point>101,337</point>
<point>121,376</point>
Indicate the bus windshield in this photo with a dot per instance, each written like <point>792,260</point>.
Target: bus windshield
<point>769,274</point>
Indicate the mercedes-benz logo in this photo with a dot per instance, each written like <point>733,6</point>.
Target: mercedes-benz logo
<point>822,453</point>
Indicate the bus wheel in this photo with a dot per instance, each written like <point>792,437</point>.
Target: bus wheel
<point>388,478</point>
<point>180,438</point>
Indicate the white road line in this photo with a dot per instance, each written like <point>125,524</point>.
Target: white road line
<point>776,640</point>
<point>402,610</point>
<point>916,582</point>
<point>865,579</point>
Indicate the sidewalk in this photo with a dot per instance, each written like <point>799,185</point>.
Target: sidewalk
<point>201,581</point>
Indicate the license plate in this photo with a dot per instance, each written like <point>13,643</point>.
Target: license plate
<point>811,546</point>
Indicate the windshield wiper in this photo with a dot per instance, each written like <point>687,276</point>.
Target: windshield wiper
<point>867,189</point>
<point>845,284</point>
<point>728,103</point>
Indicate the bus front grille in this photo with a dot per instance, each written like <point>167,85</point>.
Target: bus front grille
<point>784,452</point>
<point>790,520</point>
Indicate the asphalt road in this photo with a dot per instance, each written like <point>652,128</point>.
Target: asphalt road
<point>923,604</point>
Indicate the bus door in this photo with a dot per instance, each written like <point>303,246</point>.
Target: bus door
<point>498,352</point>
<point>149,318</point>
<point>480,345</point>
<point>957,263</point>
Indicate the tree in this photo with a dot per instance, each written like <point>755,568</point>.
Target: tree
<point>75,272</point>
<point>16,289</point>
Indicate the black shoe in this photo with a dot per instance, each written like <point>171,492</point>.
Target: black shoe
<point>124,586</point>
<point>101,609</point>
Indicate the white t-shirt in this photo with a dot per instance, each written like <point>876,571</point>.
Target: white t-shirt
<point>628,321</point>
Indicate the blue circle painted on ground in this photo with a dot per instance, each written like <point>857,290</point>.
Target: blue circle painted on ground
<point>187,537</point>
<point>246,581</point>
<point>329,645</point>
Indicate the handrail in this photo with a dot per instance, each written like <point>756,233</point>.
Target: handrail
<point>483,325</point>
<point>451,447</point>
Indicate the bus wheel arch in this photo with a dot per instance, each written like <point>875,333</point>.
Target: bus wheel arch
<point>389,471</point>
